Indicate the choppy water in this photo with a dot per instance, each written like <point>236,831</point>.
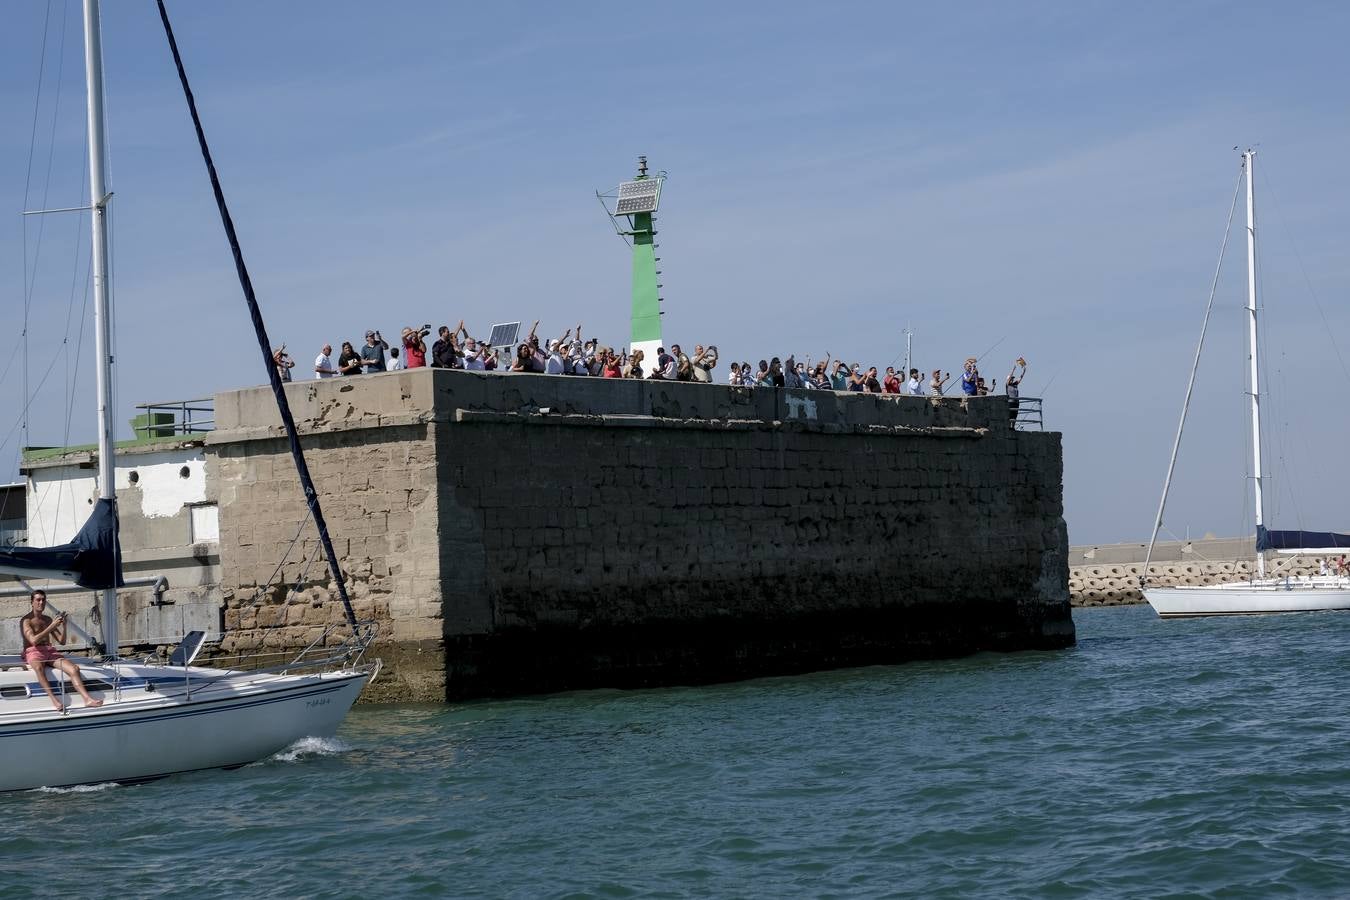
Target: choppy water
<point>1184,758</point>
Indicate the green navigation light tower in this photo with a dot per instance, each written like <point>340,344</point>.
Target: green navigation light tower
<point>635,203</point>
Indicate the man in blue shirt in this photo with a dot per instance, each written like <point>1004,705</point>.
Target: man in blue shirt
<point>372,354</point>
<point>970,378</point>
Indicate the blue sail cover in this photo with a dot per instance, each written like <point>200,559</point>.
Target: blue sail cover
<point>1299,540</point>
<point>92,560</point>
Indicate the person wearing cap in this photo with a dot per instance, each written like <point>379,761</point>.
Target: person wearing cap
<point>938,381</point>
<point>372,354</point>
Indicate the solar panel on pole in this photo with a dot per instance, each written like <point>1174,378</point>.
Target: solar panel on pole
<point>640,196</point>
<point>504,334</point>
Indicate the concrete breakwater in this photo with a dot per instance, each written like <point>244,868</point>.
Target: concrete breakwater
<point>1109,575</point>
<point>526,533</point>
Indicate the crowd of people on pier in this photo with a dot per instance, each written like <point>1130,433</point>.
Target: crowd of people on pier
<point>571,354</point>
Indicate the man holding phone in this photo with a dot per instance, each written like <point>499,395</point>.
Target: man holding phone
<point>39,630</point>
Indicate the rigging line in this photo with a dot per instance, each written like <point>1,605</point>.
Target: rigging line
<point>991,349</point>
<point>28,401</point>
<point>1190,385</point>
<point>267,585</point>
<point>260,329</point>
<point>74,283</point>
<point>51,155</point>
<point>11,356</point>
<point>79,346</point>
<point>1326,326</point>
<point>27,183</point>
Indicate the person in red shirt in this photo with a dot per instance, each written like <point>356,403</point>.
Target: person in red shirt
<point>414,349</point>
<point>892,383</point>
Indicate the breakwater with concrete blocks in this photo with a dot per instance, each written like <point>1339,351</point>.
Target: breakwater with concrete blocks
<point>530,533</point>
<point>1108,574</point>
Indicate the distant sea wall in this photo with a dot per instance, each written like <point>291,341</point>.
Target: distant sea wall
<point>1108,575</point>
<point>529,533</point>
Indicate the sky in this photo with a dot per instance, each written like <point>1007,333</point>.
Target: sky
<point>1047,180</point>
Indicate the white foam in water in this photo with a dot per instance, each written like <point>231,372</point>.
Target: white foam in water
<point>309,747</point>
<point>77,789</point>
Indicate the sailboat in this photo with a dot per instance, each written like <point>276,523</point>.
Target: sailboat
<point>1260,594</point>
<point>160,718</point>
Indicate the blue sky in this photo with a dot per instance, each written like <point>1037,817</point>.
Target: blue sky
<point>1051,180</point>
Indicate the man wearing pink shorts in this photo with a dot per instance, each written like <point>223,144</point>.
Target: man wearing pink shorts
<point>39,630</point>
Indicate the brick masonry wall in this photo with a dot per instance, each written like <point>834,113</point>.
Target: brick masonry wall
<point>517,533</point>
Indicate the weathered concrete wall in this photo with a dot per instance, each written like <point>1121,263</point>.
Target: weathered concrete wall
<point>1109,575</point>
<point>526,533</point>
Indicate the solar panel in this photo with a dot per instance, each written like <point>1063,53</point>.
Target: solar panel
<point>504,335</point>
<point>638,196</point>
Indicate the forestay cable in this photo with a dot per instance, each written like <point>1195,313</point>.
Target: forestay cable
<point>259,328</point>
<point>1190,385</point>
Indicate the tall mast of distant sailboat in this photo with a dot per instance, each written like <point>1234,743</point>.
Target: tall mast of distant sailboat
<point>1248,158</point>
<point>98,206</point>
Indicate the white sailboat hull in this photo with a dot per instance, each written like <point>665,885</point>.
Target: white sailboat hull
<point>1251,597</point>
<point>159,723</point>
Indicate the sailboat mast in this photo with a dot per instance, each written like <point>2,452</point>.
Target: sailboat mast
<point>98,204</point>
<point>1248,158</point>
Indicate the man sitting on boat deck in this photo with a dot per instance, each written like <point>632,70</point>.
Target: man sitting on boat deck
<point>39,630</point>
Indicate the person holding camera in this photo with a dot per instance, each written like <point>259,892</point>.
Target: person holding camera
<point>349,361</point>
<point>282,360</point>
<point>938,382</point>
<point>39,630</point>
<point>970,378</point>
<point>414,348</point>
<point>704,362</point>
<point>372,354</point>
<point>445,352</point>
<point>915,384</point>
<point>1013,387</point>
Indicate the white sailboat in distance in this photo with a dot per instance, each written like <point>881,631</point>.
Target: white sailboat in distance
<point>1260,594</point>
<point>159,719</point>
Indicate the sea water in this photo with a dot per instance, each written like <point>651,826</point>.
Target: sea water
<point>1177,758</point>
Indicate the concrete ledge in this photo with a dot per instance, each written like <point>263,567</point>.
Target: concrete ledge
<point>422,396</point>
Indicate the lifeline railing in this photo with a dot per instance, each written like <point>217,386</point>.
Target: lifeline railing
<point>1028,413</point>
<point>176,417</point>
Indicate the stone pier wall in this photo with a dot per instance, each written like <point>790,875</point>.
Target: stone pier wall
<point>1109,575</point>
<point>526,533</point>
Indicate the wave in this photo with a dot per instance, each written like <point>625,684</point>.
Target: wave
<point>310,748</point>
<point>77,789</point>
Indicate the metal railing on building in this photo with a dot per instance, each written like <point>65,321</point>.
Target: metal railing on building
<point>1028,414</point>
<point>174,418</point>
